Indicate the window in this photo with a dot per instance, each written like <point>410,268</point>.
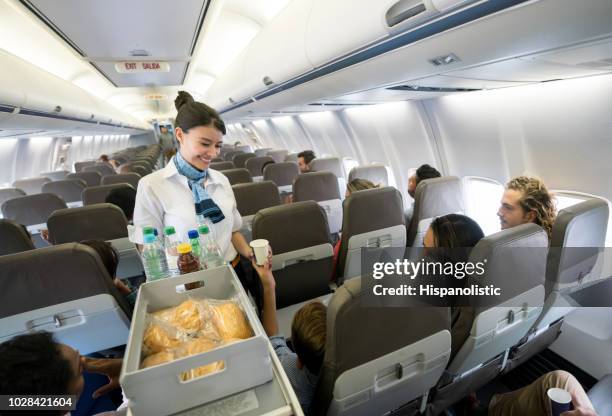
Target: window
<point>482,197</point>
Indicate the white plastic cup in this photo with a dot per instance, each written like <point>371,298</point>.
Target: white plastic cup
<point>260,249</point>
<point>560,400</point>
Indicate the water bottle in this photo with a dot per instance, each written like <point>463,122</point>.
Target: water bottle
<point>194,240</point>
<point>153,259</point>
<point>211,254</point>
<point>171,241</point>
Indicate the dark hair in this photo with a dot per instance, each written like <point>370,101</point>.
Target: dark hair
<point>308,335</point>
<point>104,158</point>
<point>426,172</point>
<point>192,113</point>
<point>33,364</point>
<point>456,230</point>
<point>263,167</point>
<point>124,198</point>
<point>107,254</point>
<point>308,156</point>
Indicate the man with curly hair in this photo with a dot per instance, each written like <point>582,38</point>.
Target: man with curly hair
<point>526,199</point>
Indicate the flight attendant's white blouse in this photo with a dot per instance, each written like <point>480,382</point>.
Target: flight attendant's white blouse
<point>164,199</point>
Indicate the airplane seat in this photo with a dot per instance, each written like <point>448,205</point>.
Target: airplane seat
<point>131,178</point>
<point>378,360</point>
<point>13,238</point>
<point>56,175</point>
<point>136,168</point>
<point>372,218</point>
<point>97,194</point>
<point>68,189</point>
<point>241,159</point>
<point>93,222</point>
<point>79,166</point>
<point>302,260</point>
<point>433,198</point>
<point>375,173</point>
<point>31,186</point>
<point>577,240</point>
<point>218,159</point>
<point>222,165</point>
<point>262,152</point>
<point>246,148</point>
<point>333,165</point>
<point>250,198</point>
<point>291,157</point>
<point>491,325</point>
<point>278,155</point>
<point>67,291</point>
<point>255,165</point>
<point>282,174</point>
<point>238,175</point>
<point>10,193</point>
<point>229,156</point>
<point>600,395</point>
<point>102,168</point>
<point>32,210</point>
<point>90,178</point>
<point>321,187</point>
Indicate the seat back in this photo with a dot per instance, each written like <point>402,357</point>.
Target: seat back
<point>241,159</point>
<point>139,169</point>
<point>64,290</point>
<point>375,173</point>
<point>13,238</point>
<point>31,186</point>
<point>244,148</point>
<point>255,165</point>
<point>321,187</point>
<point>68,189</point>
<point>229,156</point>
<point>56,175</point>
<point>97,194</point>
<point>239,175</point>
<point>372,218</point>
<point>93,222</point>
<point>250,198</point>
<point>32,209</point>
<point>303,253</point>
<point>90,178</point>
<point>282,174</point>
<point>292,157</point>
<point>102,168</point>
<point>362,377</point>
<point>433,198</point>
<point>515,262</point>
<point>10,193</point>
<point>329,164</point>
<point>79,166</point>
<point>262,152</point>
<point>278,155</point>
<point>222,165</point>
<point>131,178</point>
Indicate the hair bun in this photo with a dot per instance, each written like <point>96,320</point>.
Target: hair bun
<point>182,98</point>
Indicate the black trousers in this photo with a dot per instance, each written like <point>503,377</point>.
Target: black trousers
<point>250,282</point>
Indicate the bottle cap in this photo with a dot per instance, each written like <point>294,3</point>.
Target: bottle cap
<point>203,229</point>
<point>169,230</point>
<point>192,234</point>
<point>147,230</point>
<point>149,238</point>
<point>183,248</point>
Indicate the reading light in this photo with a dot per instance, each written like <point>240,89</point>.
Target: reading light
<point>445,59</point>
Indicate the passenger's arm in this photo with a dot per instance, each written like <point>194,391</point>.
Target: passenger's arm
<point>110,367</point>
<point>269,320</point>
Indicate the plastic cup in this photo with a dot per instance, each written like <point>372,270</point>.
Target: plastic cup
<point>560,401</point>
<point>260,249</point>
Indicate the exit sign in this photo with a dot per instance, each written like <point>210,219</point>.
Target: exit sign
<point>139,66</point>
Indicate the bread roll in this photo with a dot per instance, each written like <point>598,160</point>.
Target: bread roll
<point>157,339</point>
<point>230,321</point>
<point>157,359</point>
<point>197,346</point>
<point>187,317</point>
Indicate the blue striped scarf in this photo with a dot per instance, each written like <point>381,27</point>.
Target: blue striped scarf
<point>204,205</point>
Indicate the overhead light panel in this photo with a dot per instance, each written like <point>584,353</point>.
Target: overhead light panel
<point>445,59</point>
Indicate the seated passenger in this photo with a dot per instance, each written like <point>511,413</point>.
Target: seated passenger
<point>124,198</point>
<point>110,259</point>
<point>308,335</point>
<point>34,364</point>
<point>422,173</point>
<point>525,200</point>
<point>304,159</point>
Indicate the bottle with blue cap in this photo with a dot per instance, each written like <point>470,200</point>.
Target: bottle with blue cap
<point>153,258</point>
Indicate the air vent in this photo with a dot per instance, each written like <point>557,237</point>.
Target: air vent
<point>267,81</point>
<point>139,52</point>
<point>402,11</point>
<point>418,88</point>
<point>445,59</point>
<point>604,63</point>
<point>338,104</point>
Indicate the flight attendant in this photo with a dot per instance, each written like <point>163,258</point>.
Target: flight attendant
<point>187,192</point>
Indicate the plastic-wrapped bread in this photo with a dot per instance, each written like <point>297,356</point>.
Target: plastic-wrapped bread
<point>230,321</point>
<point>197,346</point>
<point>189,316</point>
<point>158,358</point>
<point>158,338</point>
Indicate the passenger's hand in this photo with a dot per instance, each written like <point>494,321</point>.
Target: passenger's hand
<point>110,367</point>
<point>121,287</point>
<point>580,411</point>
<point>265,270</point>
<point>44,233</point>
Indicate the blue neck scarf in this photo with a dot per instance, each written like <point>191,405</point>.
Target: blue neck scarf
<point>204,205</point>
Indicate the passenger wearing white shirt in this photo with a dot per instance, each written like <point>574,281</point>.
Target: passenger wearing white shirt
<point>187,189</point>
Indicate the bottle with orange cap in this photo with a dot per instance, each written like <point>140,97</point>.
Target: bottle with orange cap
<point>187,263</point>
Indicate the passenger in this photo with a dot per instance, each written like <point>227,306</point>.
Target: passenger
<point>34,364</point>
<point>526,200</point>
<point>187,192</point>
<point>110,259</point>
<point>422,173</point>
<point>124,198</point>
<point>103,159</point>
<point>304,159</point>
<point>166,141</point>
<point>308,335</point>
